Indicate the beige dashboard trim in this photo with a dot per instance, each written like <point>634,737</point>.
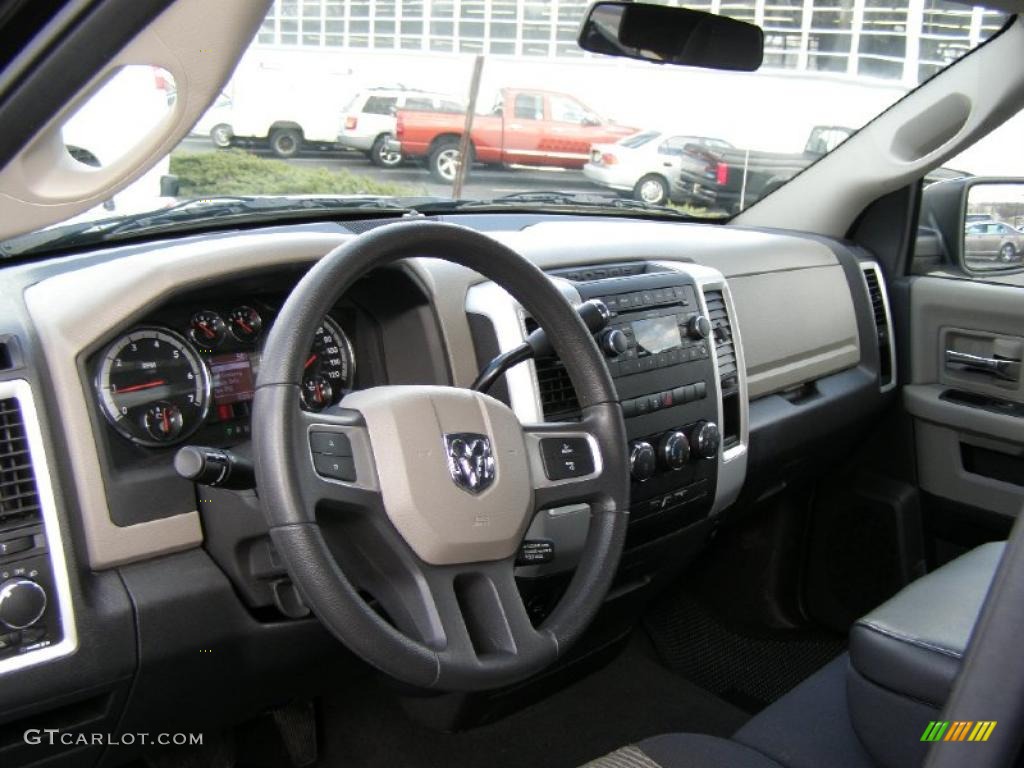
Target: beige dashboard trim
<point>75,312</point>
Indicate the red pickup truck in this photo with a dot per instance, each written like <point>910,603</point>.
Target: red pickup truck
<point>526,127</point>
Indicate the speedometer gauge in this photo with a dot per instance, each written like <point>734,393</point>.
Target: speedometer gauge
<point>152,387</point>
<point>330,368</point>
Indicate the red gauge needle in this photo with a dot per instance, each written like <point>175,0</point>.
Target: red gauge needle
<point>245,326</point>
<point>207,330</point>
<point>312,359</point>
<point>137,387</point>
<point>166,421</point>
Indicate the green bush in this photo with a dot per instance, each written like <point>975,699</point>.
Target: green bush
<point>236,172</point>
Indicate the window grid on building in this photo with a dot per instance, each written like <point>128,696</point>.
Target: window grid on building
<point>863,38</point>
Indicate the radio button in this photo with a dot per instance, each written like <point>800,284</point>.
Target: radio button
<point>16,546</point>
<point>702,390</point>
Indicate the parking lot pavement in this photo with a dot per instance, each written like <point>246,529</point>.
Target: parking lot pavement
<point>483,182</point>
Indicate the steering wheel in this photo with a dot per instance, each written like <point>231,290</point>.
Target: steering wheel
<point>400,512</point>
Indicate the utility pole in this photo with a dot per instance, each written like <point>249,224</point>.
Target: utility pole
<point>464,143</point>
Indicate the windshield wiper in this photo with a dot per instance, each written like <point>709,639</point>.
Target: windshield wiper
<point>554,198</point>
<point>196,213</point>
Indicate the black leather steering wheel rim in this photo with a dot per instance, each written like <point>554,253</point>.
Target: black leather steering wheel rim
<point>278,424</point>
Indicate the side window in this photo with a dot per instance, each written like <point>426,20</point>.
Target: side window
<point>529,107</point>
<point>674,146</point>
<point>565,110</point>
<point>452,107</point>
<point>992,248</point>
<point>419,104</point>
<point>380,105</point>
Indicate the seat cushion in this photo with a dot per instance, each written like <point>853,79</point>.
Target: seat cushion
<point>810,726</point>
<point>684,750</point>
<point>913,644</point>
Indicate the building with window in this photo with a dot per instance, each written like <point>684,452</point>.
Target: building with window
<point>855,38</point>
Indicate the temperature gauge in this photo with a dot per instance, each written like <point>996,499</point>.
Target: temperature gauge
<point>246,324</point>
<point>207,329</point>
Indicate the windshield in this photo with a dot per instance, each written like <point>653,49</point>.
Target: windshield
<point>368,99</point>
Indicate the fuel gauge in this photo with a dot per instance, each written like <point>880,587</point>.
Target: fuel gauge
<point>163,422</point>
<point>207,329</point>
<point>246,324</point>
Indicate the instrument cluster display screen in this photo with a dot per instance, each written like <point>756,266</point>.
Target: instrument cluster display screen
<point>232,378</point>
<point>657,334</point>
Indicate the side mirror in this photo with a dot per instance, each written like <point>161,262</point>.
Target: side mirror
<point>672,35</point>
<point>979,220</point>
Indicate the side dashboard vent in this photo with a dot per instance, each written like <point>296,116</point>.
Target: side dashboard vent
<point>721,330</point>
<point>883,331</point>
<point>19,497</point>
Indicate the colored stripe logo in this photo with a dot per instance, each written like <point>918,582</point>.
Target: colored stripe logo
<point>958,730</point>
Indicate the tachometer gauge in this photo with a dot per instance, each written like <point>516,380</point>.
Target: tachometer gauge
<point>207,329</point>
<point>152,386</point>
<point>246,324</point>
<point>330,368</point>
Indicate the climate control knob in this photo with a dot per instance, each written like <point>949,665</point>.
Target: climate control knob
<point>614,342</point>
<point>22,603</point>
<point>698,327</point>
<point>674,450</point>
<point>642,460</point>
<point>705,440</point>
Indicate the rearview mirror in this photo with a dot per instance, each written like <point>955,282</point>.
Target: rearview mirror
<point>993,212</point>
<point>672,35</point>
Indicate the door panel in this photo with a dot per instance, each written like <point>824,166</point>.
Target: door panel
<point>967,393</point>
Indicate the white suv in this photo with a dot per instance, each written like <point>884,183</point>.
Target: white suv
<point>369,119</point>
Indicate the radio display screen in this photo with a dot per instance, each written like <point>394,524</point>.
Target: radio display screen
<point>232,378</point>
<point>657,334</point>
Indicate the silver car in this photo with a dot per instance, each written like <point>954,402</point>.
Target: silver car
<point>643,164</point>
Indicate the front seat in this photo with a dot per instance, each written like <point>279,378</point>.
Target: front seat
<point>914,642</point>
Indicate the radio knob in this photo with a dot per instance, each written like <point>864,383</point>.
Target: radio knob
<point>698,327</point>
<point>642,461</point>
<point>674,450</point>
<point>706,439</point>
<point>22,603</point>
<point>614,342</point>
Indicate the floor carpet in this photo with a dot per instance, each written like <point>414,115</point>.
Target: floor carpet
<point>631,698</point>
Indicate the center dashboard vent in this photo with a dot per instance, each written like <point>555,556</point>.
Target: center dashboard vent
<point>721,330</point>
<point>557,394</point>
<point>883,331</point>
<point>19,498</point>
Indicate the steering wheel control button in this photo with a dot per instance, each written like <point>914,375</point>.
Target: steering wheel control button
<point>335,467</point>
<point>22,603</point>
<point>536,552</point>
<point>330,443</point>
<point>566,457</point>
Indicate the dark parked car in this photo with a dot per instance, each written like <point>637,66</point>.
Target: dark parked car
<point>734,178</point>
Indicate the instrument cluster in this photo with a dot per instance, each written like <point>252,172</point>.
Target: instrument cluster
<point>158,384</point>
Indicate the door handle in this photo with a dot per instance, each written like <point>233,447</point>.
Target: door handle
<point>1000,368</point>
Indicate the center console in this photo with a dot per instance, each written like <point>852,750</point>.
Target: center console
<point>673,352</point>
